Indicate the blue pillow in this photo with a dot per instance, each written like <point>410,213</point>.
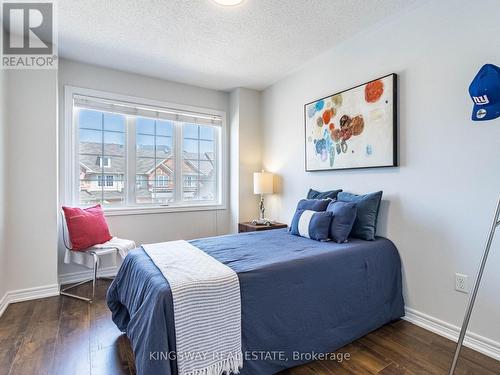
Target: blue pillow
<point>313,204</point>
<point>311,224</point>
<point>314,194</point>
<point>344,215</point>
<point>367,206</point>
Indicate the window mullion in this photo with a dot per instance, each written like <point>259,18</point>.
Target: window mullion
<point>218,165</point>
<point>155,165</point>
<point>178,161</point>
<point>131,176</point>
<point>75,155</point>
<point>198,174</point>
<point>101,163</point>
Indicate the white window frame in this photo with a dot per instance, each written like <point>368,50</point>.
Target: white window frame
<point>71,167</point>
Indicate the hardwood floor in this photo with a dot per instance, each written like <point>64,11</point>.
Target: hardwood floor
<point>61,335</point>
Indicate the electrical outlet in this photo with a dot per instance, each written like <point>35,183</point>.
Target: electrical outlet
<point>461,283</point>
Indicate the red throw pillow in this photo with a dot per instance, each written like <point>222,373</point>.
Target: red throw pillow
<point>87,227</point>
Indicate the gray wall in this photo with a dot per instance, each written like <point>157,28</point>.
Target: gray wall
<point>3,252</point>
<point>31,179</point>
<point>439,202</point>
<point>246,153</point>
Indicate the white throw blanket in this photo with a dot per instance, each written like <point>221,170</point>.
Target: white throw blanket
<point>111,248</point>
<point>207,308</point>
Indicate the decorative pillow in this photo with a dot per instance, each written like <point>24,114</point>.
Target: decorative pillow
<point>87,227</point>
<point>343,217</point>
<point>367,206</point>
<point>311,224</point>
<point>314,194</point>
<point>313,204</point>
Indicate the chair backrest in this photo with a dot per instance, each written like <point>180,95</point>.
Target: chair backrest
<point>65,233</point>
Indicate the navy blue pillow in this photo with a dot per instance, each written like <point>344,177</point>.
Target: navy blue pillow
<point>314,194</point>
<point>311,224</point>
<point>344,215</point>
<point>367,206</point>
<point>313,204</point>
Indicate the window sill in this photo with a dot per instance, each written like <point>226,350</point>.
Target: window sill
<point>144,210</point>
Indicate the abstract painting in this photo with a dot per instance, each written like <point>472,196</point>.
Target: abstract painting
<point>355,128</point>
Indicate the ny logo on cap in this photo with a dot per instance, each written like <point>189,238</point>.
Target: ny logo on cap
<point>481,100</point>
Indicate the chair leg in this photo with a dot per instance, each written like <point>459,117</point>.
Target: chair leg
<point>64,291</point>
<point>94,280</point>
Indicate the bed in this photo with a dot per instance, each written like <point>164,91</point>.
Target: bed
<point>298,297</point>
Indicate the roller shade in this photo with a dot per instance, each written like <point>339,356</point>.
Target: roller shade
<point>126,108</point>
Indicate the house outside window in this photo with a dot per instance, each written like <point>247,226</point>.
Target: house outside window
<point>107,181</point>
<point>103,161</point>
<point>131,155</point>
<point>161,181</point>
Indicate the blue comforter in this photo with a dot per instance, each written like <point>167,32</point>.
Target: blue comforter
<point>298,296</point>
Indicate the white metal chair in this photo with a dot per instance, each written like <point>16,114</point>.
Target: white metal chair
<point>96,253</point>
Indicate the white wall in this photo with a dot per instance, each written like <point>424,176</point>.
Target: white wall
<point>246,153</point>
<point>3,252</point>
<point>439,202</point>
<point>250,152</point>
<point>234,156</point>
<point>31,179</point>
<point>152,227</point>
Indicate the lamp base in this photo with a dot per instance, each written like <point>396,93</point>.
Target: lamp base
<point>265,222</point>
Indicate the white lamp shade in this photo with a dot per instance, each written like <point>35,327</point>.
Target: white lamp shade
<point>262,183</point>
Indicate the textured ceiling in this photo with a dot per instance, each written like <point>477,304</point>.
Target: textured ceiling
<point>198,42</point>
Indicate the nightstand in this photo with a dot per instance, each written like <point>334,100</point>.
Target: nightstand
<point>249,227</point>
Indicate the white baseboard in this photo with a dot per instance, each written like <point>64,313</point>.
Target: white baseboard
<point>51,290</point>
<point>472,340</point>
<point>21,295</point>
<point>3,304</point>
<point>75,277</point>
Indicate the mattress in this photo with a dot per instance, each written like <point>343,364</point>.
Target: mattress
<point>299,297</point>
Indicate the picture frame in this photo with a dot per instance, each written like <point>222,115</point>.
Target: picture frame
<point>353,129</point>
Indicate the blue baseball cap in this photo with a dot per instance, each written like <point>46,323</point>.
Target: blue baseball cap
<point>485,93</point>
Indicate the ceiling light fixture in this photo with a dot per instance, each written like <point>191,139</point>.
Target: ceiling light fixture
<point>228,2</point>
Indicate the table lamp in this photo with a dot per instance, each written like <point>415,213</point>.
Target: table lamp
<point>262,184</point>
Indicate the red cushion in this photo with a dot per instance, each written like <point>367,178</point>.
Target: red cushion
<point>87,227</point>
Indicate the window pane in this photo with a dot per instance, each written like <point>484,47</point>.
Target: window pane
<point>90,194</point>
<point>207,132</point>
<point>145,126</point>
<point>190,190</point>
<point>90,136</point>
<point>207,191</point>
<point>164,128</point>
<point>114,156</point>
<point>199,170</point>
<point>190,131</point>
<point>90,119</point>
<point>113,191</point>
<point>206,169</point>
<point>154,161</point>
<point>145,145</point>
<point>191,147</point>
<point>145,168</point>
<point>102,155</point>
<point>114,122</point>
<point>207,147</point>
<point>163,147</point>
